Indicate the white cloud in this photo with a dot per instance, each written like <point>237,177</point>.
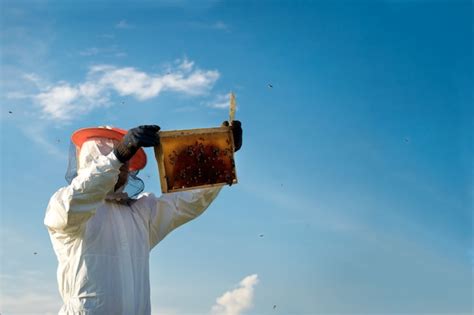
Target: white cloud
<point>185,65</point>
<point>123,24</point>
<point>35,79</point>
<point>18,95</point>
<point>129,81</point>
<point>238,300</point>
<point>59,100</point>
<point>64,101</point>
<point>221,101</point>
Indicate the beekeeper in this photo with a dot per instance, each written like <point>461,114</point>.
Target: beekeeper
<point>102,227</point>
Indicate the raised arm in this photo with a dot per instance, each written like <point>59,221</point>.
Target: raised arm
<point>174,209</point>
<point>70,207</point>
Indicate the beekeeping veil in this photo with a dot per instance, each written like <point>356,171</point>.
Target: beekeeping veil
<point>81,157</point>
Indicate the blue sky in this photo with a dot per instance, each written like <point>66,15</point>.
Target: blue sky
<point>356,165</point>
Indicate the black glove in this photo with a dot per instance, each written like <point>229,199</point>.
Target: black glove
<point>236,132</point>
<point>141,136</point>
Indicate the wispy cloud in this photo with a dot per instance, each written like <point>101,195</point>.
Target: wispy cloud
<point>26,286</point>
<point>284,198</point>
<point>18,95</point>
<point>107,36</point>
<point>35,79</point>
<point>219,25</point>
<point>185,65</point>
<point>31,303</point>
<point>63,101</point>
<point>112,51</point>
<point>37,133</point>
<point>29,292</point>
<point>238,300</point>
<point>92,51</point>
<point>123,24</point>
<point>220,101</point>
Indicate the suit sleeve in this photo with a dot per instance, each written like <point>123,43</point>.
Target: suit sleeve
<point>172,210</point>
<point>70,207</point>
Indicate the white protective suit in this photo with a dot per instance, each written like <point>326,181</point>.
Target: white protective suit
<point>103,246</point>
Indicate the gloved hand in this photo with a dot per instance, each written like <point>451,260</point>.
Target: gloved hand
<point>236,132</point>
<point>141,136</point>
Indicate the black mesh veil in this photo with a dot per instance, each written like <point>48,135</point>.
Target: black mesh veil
<point>134,184</point>
<point>71,171</point>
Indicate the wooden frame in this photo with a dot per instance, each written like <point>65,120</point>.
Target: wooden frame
<point>196,158</point>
